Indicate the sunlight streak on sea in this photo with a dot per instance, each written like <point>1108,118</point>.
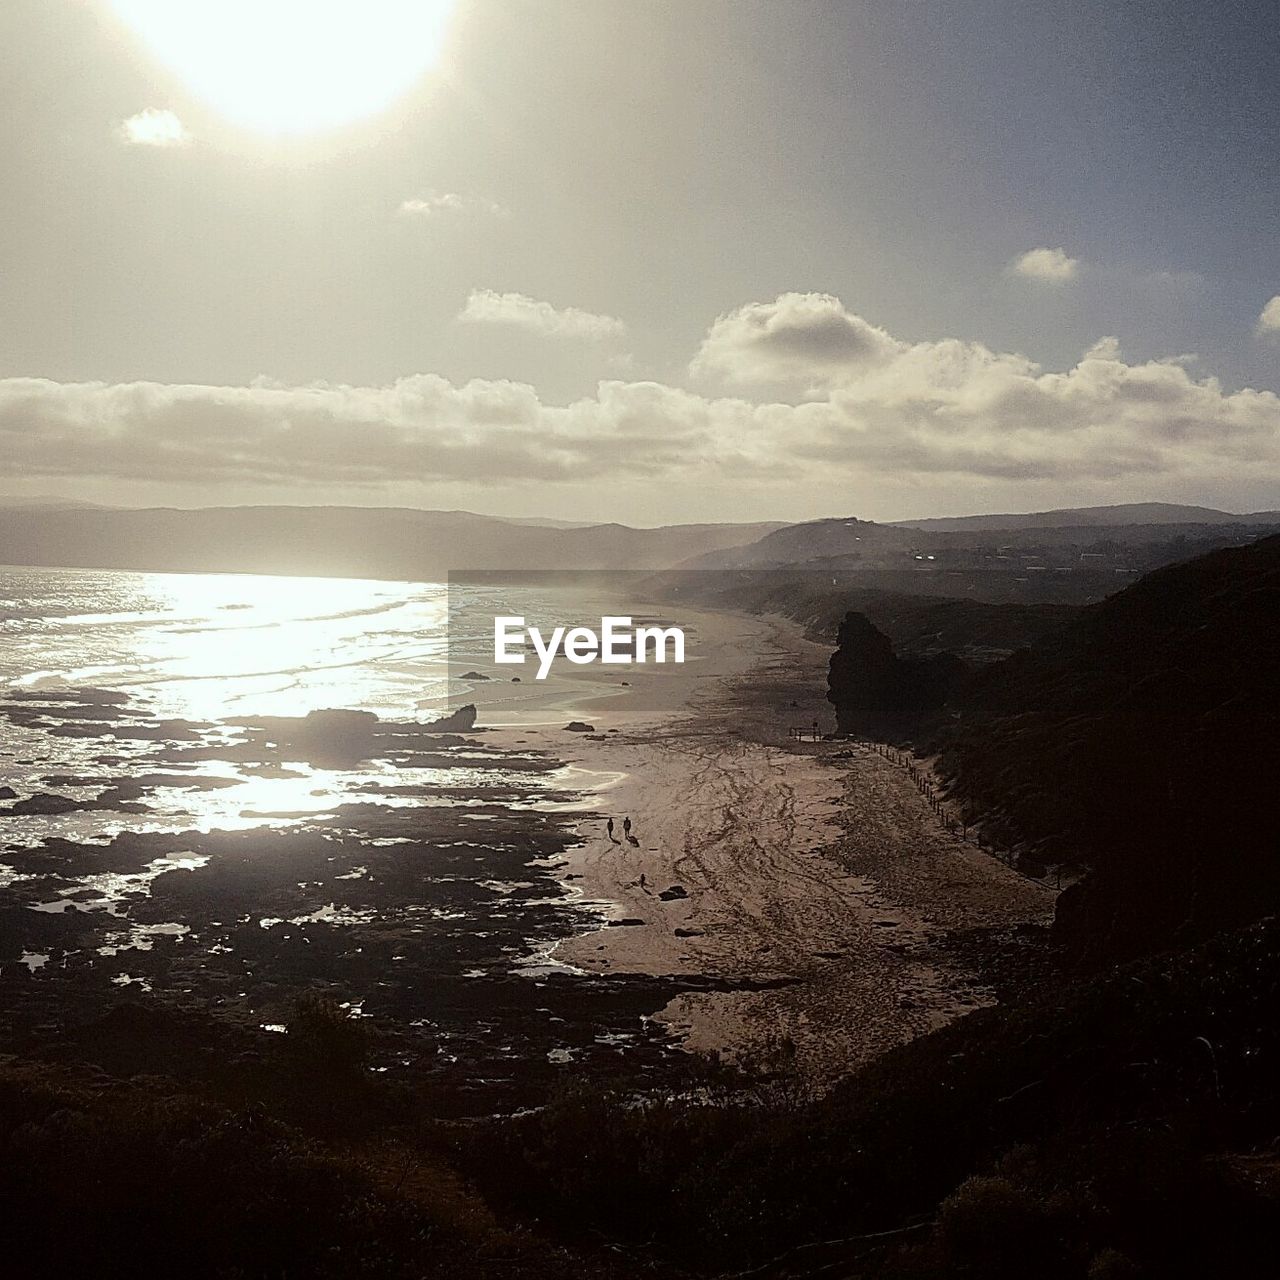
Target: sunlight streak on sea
<point>207,646</point>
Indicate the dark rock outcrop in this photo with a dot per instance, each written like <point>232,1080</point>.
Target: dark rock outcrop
<point>337,734</point>
<point>879,695</point>
<point>45,803</point>
<point>461,721</point>
<point>332,736</point>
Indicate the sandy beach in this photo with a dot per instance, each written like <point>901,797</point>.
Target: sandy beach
<point>808,878</point>
<point>775,900</point>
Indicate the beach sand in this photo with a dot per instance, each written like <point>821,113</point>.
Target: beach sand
<point>809,878</point>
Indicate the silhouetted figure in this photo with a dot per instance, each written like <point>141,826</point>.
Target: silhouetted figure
<point>626,826</point>
<point>642,882</point>
<point>609,828</point>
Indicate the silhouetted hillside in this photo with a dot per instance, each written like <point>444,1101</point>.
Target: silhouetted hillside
<point>1143,741</point>
<point>850,539</point>
<point>1121,1126</point>
<point>1068,564</point>
<point>360,542</point>
<point>1129,513</point>
<point>919,625</point>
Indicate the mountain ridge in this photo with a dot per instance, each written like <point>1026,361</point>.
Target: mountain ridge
<point>1120,514</point>
<point>398,543</point>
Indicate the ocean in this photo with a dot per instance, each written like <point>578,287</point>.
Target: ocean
<point>200,645</point>
<point>171,831</point>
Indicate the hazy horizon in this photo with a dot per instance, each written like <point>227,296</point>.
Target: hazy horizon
<point>537,517</point>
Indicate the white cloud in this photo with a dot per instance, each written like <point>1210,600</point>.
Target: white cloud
<point>420,428</point>
<point>1269,320</point>
<point>155,128</point>
<point>952,413</point>
<point>1050,266</point>
<point>484,306</point>
<point>802,339</point>
<point>435,203</point>
<point>960,408</point>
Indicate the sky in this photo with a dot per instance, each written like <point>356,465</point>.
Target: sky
<point>641,260</point>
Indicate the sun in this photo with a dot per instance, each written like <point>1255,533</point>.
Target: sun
<point>290,67</point>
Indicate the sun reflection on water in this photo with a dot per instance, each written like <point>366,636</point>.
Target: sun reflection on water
<point>207,646</point>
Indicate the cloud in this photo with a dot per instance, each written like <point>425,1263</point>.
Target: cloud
<point>959,408</point>
<point>484,306</point>
<point>799,338</point>
<point>1269,320</point>
<point>1049,266</point>
<point>155,128</point>
<point>435,203</point>
<point>951,412</point>
<point>420,428</point>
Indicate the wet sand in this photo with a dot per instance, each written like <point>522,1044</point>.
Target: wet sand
<point>815,869</point>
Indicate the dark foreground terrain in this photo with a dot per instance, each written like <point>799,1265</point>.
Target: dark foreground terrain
<point>1121,1126</point>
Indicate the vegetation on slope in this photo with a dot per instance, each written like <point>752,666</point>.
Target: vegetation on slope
<point>1142,740</point>
<point>1118,1126</point>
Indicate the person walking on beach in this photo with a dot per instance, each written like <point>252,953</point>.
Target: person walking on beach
<point>626,826</point>
<point>609,828</point>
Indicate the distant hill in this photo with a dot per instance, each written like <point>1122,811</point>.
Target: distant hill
<point>850,543</point>
<point>1069,565</point>
<point>363,542</point>
<point>846,538</point>
<point>1142,740</point>
<point>919,625</point>
<point>52,503</point>
<point>1155,513</point>
<point>546,522</point>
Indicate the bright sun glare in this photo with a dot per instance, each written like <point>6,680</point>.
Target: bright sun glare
<point>287,67</point>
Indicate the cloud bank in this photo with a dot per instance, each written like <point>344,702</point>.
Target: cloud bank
<point>888,411</point>
<point>485,306</point>
<point>1269,320</point>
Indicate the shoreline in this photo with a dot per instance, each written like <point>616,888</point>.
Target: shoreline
<point>781,900</point>
<point>808,881</point>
